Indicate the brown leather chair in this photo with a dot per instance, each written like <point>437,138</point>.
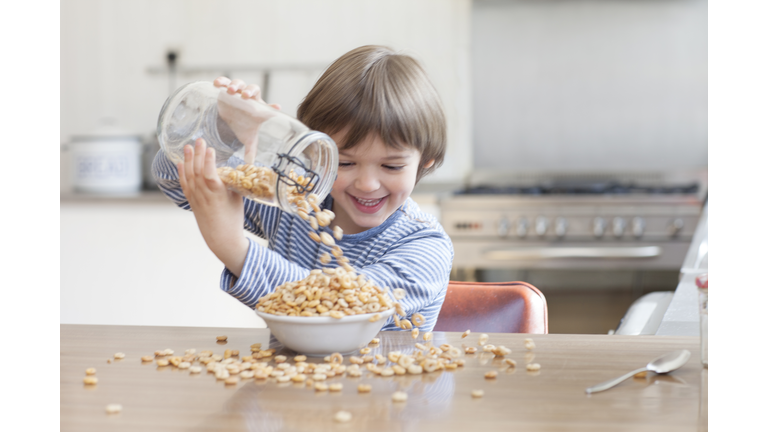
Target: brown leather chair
<point>493,307</point>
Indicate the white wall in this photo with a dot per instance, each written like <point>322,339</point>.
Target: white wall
<point>107,47</point>
<point>589,85</point>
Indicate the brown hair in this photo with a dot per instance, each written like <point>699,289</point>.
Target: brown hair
<point>373,89</point>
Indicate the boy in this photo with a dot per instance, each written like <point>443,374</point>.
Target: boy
<point>385,116</point>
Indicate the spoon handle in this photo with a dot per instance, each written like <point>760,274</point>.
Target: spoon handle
<point>610,383</point>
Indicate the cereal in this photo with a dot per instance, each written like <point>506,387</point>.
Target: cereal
<point>336,358</point>
<point>185,365</point>
<point>119,355</point>
<point>321,386</point>
<point>231,380</point>
<point>405,324</point>
<point>374,318</point>
<point>280,359</point>
<point>415,333</point>
<point>380,358</point>
<point>470,350</point>
<point>364,388</point>
<point>90,380</point>
<point>427,336</point>
<point>221,338</point>
<point>465,334</point>
<point>327,239</point>
<point>90,371</point>
<point>510,362</point>
<point>147,358</point>
<point>114,408</point>
<point>420,347</point>
<point>415,369</point>
<point>491,374</point>
<point>335,387</point>
<point>640,375</point>
<point>374,341</point>
<point>299,378</point>
<point>338,233</point>
<point>365,350</point>
<point>399,370</point>
<point>284,378</point>
<point>342,417</point>
<point>482,339</point>
<point>501,351</point>
<point>533,367</point>
<point>399,396</point>
<point>477,393</point>
<point>221,373</point>
<point>325,258</point>
<point>319,377</point>
<point>398,294</point>
<point>489,348</point>
<point>300,358</point>
<point>195,369</point>
<point>162,362</point>
<point>529,345</point>
<point>418,319</point>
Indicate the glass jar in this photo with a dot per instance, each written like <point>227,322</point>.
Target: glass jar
<point>702,283</point>
<point>261,153</point>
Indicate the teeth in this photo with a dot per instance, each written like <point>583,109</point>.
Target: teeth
<point>368,203</point>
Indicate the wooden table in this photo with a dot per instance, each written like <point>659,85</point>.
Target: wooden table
<point>553,399</point>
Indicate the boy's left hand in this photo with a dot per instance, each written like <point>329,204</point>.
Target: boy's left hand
<point>218,211</point>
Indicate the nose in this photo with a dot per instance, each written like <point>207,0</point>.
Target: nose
<point>367,181</point>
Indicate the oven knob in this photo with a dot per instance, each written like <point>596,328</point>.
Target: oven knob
<point>522,227</point>
<point>503,227</point>
<point>541,225</point>
<point>618,226</point>
<point>561,226</point>
<point>675,227</point>
<point>598,227</point>
<point>638,226</point>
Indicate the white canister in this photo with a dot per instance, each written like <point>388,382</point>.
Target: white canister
<point>106,162</point>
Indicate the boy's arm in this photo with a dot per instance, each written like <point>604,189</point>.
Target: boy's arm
<point>421,266</point>
<point>262,272</point>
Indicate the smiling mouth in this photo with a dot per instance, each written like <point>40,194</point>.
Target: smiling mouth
<point>368,202</point>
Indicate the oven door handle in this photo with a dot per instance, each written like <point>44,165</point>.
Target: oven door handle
<point>555,252</point>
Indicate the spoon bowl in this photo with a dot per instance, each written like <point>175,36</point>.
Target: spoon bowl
<point>661,365</point>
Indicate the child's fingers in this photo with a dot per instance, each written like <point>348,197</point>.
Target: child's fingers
<point>199,156</point>
<point>251,91</point>
<point>276,106</point>
<point>209,171</point>
<point>235,86</point>
<point>182,178</point>
<point>189,164</point>
<point>221,81</point>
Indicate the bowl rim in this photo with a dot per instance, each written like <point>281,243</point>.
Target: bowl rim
<point>323,320</point>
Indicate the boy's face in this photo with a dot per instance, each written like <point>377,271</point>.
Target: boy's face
<point>373,181</point>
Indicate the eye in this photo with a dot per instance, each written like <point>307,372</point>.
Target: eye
<point>394,167</point>
<point>345,164</point>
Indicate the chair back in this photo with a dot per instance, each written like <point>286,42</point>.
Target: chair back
<point>493,307</point>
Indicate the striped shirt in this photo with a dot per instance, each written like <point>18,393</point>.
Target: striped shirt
<point>410,250</point>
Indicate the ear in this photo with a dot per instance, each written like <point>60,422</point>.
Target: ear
<point>428,164</point>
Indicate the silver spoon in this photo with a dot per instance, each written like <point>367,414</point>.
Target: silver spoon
<point>664,364</point>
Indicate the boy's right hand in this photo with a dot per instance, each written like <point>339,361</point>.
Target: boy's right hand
<point>218,211</point>
<point>244,119</point>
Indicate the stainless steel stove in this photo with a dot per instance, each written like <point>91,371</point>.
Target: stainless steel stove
<point>618,221</point>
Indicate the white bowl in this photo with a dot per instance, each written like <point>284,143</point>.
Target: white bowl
<point>318,336</point>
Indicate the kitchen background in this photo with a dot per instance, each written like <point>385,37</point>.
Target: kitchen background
<point>535,92</point>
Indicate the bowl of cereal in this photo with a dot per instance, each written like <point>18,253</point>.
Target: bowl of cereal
<point>331,310</point>
<point>320,336</point>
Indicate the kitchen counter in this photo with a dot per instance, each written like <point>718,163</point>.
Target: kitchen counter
<point>682,315</point>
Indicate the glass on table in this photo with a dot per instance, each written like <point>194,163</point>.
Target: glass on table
<point>702,283</point>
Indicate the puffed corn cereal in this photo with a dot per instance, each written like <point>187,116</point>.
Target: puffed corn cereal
<point>399,396</point>
<point>529,345</point>
<point>90,380</point>
<point>342,416</point>
<point>465,334</point>
<point>114,408</point>
<point>491,374</point>
<point>119,355</point>
<point>364,388</point>
<point>477,393</point>
<point>90,371</point>
<point>533,367</point>
<point>221,338</point>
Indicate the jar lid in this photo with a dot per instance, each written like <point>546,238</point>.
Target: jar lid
<point>702,281</point>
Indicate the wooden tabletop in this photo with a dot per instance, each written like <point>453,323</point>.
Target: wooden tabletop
<point>552,399</point>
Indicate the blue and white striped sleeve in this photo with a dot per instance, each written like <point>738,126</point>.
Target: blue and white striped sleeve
<point>421,265</point>
<point>167,178</point>
<point>263,271</point>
